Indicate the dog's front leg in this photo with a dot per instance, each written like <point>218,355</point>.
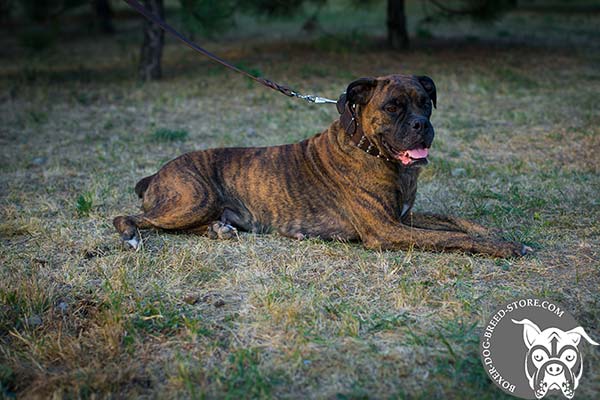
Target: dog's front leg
<point>402,237</point>
<point>443,223</point>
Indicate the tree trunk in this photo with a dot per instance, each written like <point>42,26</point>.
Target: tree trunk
<point>154,38</point>
<point>104,14</point>
<point>396,25</point>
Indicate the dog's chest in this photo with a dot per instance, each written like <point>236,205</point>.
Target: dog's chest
<point>406,188</point>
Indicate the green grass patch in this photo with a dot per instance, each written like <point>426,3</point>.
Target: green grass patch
<point>84,204</point>
<point>169,135</point>
<point>243,378</point>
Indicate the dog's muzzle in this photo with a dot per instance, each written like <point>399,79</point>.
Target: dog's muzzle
<point>554,374</point>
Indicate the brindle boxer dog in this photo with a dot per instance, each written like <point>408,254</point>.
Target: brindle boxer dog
<point>357,180</point>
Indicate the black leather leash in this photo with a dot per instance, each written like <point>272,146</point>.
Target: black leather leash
<point>266,82</point>
<point>348,118</point>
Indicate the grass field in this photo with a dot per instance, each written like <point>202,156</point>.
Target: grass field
<point>517,148</point>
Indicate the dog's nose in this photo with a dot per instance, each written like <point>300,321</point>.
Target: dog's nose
<point>420,126</point>
<point>554,369</point>
<point>417,125</point>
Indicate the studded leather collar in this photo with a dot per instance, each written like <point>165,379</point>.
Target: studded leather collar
<point>357,136</point>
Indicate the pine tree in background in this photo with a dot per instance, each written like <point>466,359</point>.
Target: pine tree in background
<point>208,16</point>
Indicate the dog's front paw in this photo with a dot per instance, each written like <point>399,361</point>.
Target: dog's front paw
<point>510,250</point>
<point>221,230</point>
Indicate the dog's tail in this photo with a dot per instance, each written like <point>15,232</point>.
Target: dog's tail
<point>142,185</point>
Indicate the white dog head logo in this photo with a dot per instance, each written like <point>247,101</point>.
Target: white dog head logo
<point>553,361</point>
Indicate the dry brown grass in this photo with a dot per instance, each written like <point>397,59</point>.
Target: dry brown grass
<point>517,148</point>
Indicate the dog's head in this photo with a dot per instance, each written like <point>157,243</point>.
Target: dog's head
<point>393,112</point>
<point>553,361</point>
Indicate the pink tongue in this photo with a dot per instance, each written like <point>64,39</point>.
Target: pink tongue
<point>418,153</point>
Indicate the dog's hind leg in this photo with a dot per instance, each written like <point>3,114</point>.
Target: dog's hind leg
<point>176,199</point>
<point>168,217</point>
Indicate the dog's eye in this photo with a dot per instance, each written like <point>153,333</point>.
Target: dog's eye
<point>538,355</point>
<point>392,108</point>
<point>569,355</point>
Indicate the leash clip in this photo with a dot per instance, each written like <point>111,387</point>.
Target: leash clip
<point>314,99</point>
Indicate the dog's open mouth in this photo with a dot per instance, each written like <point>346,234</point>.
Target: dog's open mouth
<point>411,157</point>
<point>408,157</point>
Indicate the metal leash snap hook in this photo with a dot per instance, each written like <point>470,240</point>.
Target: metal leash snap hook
<point>314,99</point>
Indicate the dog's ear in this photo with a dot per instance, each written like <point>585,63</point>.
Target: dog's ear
<point>429,87</point>
<point>360,91</point>
<point>341,103</point>
<point>576,334</point>
<point>530,331</point>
